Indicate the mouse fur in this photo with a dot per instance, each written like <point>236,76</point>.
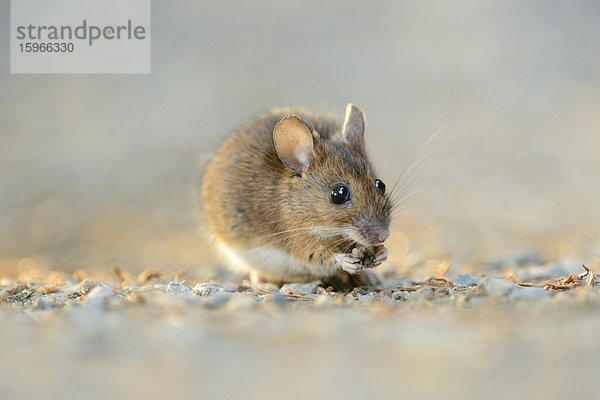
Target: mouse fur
<point>267,197</point>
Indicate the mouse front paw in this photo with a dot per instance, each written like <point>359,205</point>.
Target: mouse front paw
<point>347,262</point>
<point>381,253</point>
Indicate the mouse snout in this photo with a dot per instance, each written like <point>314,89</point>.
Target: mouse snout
<point>380,235</point>
<point>374,233</point>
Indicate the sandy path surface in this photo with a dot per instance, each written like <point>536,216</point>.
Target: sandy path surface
<point>461,337</point>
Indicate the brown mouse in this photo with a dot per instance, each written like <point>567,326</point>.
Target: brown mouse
<point>292,197</point>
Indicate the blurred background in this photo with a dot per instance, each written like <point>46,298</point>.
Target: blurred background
<point>502,97</point>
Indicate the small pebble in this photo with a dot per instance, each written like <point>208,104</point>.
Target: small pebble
<point>421,294</point>
<point>495,287</point>
<point>87,285</point>
<point>161,286</point>
<point>178,288</point>
<point>467,280</point>
<point>98,296</point>
<point>299,288</point>
<point>44,303</point>
<point>400,295</point>
<point>205,289</point>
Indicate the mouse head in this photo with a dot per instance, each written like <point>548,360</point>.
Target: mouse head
<point>332,186</point>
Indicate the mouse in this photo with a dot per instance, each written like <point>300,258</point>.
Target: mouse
<point>292,197</point>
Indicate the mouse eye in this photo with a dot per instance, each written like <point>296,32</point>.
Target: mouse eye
<point>380,186</point>
<point>340,194</point>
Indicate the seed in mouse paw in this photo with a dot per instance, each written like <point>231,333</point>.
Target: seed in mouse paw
<point>357,253</point>
<point>365,254</point>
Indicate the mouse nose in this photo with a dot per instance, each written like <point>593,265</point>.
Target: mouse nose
<point>381,235</point>
<point>375,233</point>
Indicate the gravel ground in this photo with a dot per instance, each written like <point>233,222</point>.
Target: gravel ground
<point>527,334</point>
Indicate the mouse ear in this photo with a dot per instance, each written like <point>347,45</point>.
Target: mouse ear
<point>353,130</point>
<point>294,144</point>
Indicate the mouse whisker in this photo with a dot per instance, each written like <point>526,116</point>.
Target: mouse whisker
<point>299,229</point>
<point>405,199</point>
<point>407,171</point>
<point>405,194</point>
<point>315,230</point>
<point>347,247</point>
<point>334,233</point>
<point>405,185</point>
<point>399,210</point>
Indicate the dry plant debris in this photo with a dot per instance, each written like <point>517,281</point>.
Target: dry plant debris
<point>584,279</point>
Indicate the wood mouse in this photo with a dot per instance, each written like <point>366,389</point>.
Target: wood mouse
<point>292,197</point>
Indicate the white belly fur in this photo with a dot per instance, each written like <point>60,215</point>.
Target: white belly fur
<point>273,263</point>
